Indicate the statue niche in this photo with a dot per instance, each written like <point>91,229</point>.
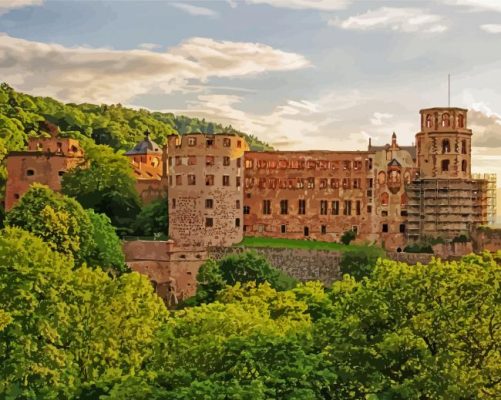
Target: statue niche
<point>394,176</point>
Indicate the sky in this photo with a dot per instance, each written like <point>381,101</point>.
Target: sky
<point>298,74</point>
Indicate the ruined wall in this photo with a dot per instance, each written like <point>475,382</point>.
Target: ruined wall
<point>486,239</point>
<point>205,190</point>
<point>304,265</point>
<point>447,251</point>
<point>25,168</point>
<point>173,271</point>
<point>327,193</point>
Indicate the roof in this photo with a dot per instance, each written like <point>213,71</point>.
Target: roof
<point>410,149</point>
<point>394,163</point>
<point>146,146</point>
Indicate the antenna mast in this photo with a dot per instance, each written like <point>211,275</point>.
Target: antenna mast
<point>449,90</point>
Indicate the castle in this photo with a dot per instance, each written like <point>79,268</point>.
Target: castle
<point>219,191</point>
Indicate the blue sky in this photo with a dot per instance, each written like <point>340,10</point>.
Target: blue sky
<point>300,74</point>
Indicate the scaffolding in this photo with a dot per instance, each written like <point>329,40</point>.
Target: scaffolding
<point>445,208</point>
<point>491,195</point>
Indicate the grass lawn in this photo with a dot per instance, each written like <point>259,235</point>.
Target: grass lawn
<point>302,244</point>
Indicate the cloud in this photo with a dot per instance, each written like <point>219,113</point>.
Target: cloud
<point>7,5</point>
<point>477,5</point>
<point>149,46</point>
<point>195,10</point>
<point>491,28</point>
<point>104,75</point>
<point>395,19</point>
<point>323,5</point>
<point>378,118</point>
<point>486,128</point>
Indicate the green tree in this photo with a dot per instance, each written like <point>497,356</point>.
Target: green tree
<point>107,252</point>
<point>105,183</point>
<point>55,218</point>
<point>153,219</point>
<point>71,331</point>
<point>348,237</point>
<point>238,268</point>
<point>361,262</point>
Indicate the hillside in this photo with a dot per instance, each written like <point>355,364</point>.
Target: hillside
<point>114,125</point>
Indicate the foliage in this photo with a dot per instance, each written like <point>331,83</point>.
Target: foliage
<point>107,251</point>
<point>461,239</point>
<point>105,183</point>
<point>238,268</point>
<point>418,248</point>
<point>153,219</point>
<point>70,329</point>
<point>360,263</point>
<point>348,237</point>
<point>57,219</point>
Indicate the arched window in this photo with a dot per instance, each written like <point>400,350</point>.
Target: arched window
<point>384,199</point>
<point>464,166</point>
<point>446,146</point>
<point>446,122</point>
<point>445,165</point>
<point>404,199</point>
<point>460,121</point>
<point>428,121</point>
<point>463,147</point>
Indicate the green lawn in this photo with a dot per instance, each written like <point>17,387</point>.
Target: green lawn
<point>302,244</point>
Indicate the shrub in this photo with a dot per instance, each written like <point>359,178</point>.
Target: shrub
<point>348,236</point>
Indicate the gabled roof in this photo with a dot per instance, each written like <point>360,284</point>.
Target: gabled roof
<point>394,163</point>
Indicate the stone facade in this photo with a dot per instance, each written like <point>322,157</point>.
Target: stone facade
<point>46,160</point>
<point>206,190</point>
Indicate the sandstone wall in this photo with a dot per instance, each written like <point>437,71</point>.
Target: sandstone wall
<point>486,239</point>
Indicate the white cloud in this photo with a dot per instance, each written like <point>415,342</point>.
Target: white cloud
<point>378,118</point>
<point>323,5</point>
<point>104,75</point>
<point>7,5</point>
<point>477,5</point>
<point>396,19</point>
<point>195,10</point>
<point>491,28</point>
<point>149,46</point>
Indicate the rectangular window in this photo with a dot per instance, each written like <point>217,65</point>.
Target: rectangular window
<point>170,161</point>
<point>192,180</point>
<point>370,183</point>
<point>239,162</point>
<point>346,165</point>
<point>209,203</point>
<point>209,180</point>
<point>357,183</point>
<point>357,165</point>
<point>311,183</point>
<point>237,204</point>
<point>226,161</point>
<point>226,180</point>
<point>323,183</point>
<point>323,229</point>
<point>237,222</point>
<point>239,181</point>
<point>346,183</point>
<point>239,144</point>
<point>170,180</point>
<point>369,209</point>
<point>209,222</point>
<point>335,207</point>
<point>246,210</point>
<point>334,183</point>
<point>179,180</point>
<point>267,207</point>
<point>302,207</point>
<point>283,228</point>
<point>209,161</point>
<point>178,160</point>
<point>249,164</point>
<point>403,213</point>
<point>173,203</point>
<point>384,213</point>
<point>384,228</point>
<point>284,207</point>
<point>192,160</point>
<point>226,142</point>
<point>209,141</point>
<point>402,228</point>
<point>299,183</point>
<point>323,207</point>
<point>347,207</point>
<point>192,141</point>
<point>358,207</point>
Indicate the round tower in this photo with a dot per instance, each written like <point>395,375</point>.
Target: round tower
<point>443,145</point>
<point>205,189</point>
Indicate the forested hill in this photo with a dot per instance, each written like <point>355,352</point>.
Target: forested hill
<point>114,125</point>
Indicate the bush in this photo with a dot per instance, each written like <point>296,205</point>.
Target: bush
<point>360,263</point>
<point>460,239</point>
<point>348,236</point>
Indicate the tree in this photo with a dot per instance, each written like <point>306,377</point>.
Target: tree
<point>105,183</point>
<point>153,219</point>
<point>71,331</point>
<point>348,237</point>
<point>55,218</point>
<point>361,262</point>
<point>238,268</point>
<point>424,331</point>
<point>107,252</point>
